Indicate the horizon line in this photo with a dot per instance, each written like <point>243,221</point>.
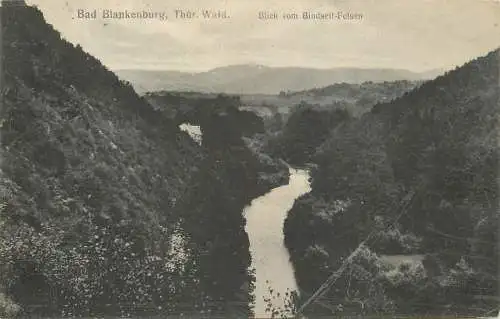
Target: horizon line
<point>440,69</point>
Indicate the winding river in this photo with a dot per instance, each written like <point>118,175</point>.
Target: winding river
<point>270,259</point>
<point>265,217</point>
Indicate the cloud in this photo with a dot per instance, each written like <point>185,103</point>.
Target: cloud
<point>412,34</point>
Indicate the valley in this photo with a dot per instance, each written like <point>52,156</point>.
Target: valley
<point>241,191</point>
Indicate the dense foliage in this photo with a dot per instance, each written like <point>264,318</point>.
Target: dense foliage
<point>418,177</point>
<point>90,174</point>
<point>317,112</point>
<point>306,128</point>
<point>228,178</point>
<point>197,108</point>
<point>107,208</point>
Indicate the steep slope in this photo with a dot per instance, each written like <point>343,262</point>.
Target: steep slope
<point>107,208</point>
<point>89,177</point>
<point>258,79</point>
<point>416,176</point>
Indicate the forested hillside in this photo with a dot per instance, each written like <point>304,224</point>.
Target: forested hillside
<point>107,207</point>
<point>417,176</point>
<point>90,173</point>
<point>320,110</point>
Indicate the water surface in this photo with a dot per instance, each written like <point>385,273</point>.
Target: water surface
<point>265,218</point>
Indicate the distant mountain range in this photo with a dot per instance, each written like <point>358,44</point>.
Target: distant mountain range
<point>259,79</point>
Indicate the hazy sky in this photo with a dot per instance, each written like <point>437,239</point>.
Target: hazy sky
<point>409,34</point>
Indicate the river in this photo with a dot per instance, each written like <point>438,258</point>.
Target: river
<point>265,217</point>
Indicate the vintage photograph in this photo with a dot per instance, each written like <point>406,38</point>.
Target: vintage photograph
<point>249,159</point>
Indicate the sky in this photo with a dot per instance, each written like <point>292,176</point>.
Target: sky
<point>417,35</point>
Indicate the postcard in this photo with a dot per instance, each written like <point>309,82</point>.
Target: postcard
<point>249,159</point>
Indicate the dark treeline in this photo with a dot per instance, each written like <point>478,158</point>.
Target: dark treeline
<point>320,111</point>
<point>227,180</point>
<point>306,129</point>
<point>198,108</point>
<point>95,182</point>
<point>418,176</point>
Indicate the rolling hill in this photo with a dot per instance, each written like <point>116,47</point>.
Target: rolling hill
<point>258,79</point>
